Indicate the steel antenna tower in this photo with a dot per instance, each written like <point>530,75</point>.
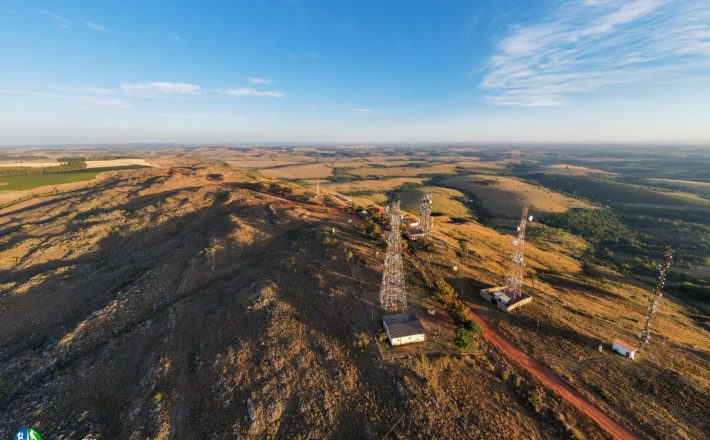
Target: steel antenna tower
<point>645,335</point>
<point>517,268</point>
<point>393,296</point>
<point>425,220</point>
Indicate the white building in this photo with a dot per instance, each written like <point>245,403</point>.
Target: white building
<point>624,348</point>
<point>344,198</point>
<point>403,328</point>
<point>497,296</point>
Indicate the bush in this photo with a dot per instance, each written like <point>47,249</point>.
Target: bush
<point>443,290</point>
<point>459,313</point>
<point>463,338</point>
<point>373,229</point>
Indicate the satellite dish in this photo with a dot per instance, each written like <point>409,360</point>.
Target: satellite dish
<point>518,228</point>
<point>530,218</point>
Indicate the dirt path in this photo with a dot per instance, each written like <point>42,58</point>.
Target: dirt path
<point>553,382</point>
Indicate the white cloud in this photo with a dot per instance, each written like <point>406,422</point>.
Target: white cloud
<point>249,91</point>
<point>61,21</point>
<point>84,97</point>
<point>156,89</point>
<point>100,102</point>
<point>592,45</point>
<point>303,56</point>
<point>97,27</point>
<point>257,80</point>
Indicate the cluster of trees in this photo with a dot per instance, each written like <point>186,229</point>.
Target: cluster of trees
<point>466,328</point>
<point>69,165</point>
<point>595,225</point>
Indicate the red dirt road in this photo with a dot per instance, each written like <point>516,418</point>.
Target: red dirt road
<point>553,382</point>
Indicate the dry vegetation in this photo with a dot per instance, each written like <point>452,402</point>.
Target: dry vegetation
<point>503,196</point>
<point>154,299</point>
<point>161,297</point>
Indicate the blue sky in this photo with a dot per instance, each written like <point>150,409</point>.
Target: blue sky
<point>354,71</point>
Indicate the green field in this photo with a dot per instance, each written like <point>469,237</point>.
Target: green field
<point>21,183</point>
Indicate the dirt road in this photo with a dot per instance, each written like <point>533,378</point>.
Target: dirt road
<point>553,382</point>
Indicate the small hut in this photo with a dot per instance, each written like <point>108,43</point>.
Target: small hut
<point>624,348</point>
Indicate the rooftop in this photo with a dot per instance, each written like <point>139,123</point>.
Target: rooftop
<point>625,344</point>
<point>403,324</point>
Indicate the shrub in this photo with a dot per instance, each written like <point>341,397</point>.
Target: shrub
<point>443,290</point>
<point>459,313</point>
<point>463,338</point>
<point>373,229</point>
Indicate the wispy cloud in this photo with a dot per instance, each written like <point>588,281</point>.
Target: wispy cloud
<point>82,97</point>
<point>303,56</point>
<point>61,21</point>
<point>250,91</point>
<point>590,45</point>
<point>174,37</point>
<point>101,102</point>
<point>257,80</point>
<point>96,27</point>
<point>158,89</point>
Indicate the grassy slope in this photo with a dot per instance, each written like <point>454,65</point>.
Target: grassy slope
<point>575,313</point>
<point>169,304</point>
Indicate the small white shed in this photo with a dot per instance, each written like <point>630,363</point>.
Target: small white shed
<point>624,348</point>
<point>403,328</point>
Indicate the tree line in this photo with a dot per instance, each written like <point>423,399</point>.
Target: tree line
<point>69,165</point>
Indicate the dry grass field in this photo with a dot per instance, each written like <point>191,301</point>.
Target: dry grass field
<point>433,168</point>
<point>571,170</point>
<point>503,196</point>
<point>162,297</point>
<point>299,171</point>
<point>370,185</point>
<point>446,201</point>
<point>159,297</point>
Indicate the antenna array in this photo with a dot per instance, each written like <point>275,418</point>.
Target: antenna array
<point>425,220</point>
<point>517,268</point>
<point>393,295</point>
<point>645,335</point>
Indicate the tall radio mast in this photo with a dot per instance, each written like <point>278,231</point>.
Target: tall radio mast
<point>393,295</point>
<point>645,335</point>
<point>514,283</point>
<point>425,220</point>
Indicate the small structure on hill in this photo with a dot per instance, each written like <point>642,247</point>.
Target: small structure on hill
<point>403,328</point>
<point>624,348</point>
<point>511,296</point>
<point>499,297</point>
<point>415,234</point>
<point>344,198</point>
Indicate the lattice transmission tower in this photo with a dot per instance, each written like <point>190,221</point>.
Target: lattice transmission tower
<point>645,335</point>
<point>514,282</point>
<point>425,220</point>
<point>393,295</point>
